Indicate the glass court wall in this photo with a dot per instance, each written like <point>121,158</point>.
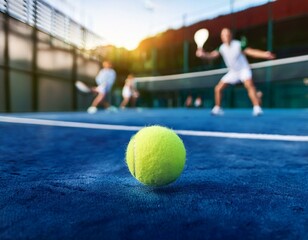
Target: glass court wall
<point>41,56</point>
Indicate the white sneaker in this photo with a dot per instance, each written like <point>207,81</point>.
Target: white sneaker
<point>92,110</point>
<point>257,111</point>
<point>217,111</point>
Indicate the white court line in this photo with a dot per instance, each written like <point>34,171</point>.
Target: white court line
<point>56,123</point>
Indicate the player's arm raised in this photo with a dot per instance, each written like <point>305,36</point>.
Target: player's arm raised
<point>256,53</point>
<point>207,55</point>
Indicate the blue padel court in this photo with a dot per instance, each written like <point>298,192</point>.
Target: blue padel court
<point>64,176</point>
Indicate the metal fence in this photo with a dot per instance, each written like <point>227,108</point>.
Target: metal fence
<point>38,70</point>
<point>39,14</point>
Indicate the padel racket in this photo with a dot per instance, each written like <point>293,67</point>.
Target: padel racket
<point>82,87</point>
<point>201,37</point>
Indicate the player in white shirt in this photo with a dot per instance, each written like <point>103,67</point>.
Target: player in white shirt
<point>104,80</point>
<point>129,92</point>
<point>238,66</point>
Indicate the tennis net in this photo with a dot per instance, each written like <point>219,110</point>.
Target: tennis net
<point>268,71</point>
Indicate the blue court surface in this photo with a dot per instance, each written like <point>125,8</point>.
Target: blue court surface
<point>64,176</point>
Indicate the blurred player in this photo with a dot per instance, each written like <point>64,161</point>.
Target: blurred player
<point>260,96</point>
<point>104,80</point>
<point>239,70</point>
<point>129,92</point>
<point>198,102</point>
<point>189,101</point>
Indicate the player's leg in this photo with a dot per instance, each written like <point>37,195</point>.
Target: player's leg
<point>124,102</point>
<point>126,94</point>
<point>134,98</point>
<point>252,93</point>
<point>99,98</point>
<point>101,93</point>
<point>218,91</point>
<point>246,77</point>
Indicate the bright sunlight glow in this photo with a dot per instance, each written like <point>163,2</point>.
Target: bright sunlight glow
<point>125,23</point>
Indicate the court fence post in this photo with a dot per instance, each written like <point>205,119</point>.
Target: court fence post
<point>268,76</point>
<point>6,63</point>
<point>74,77</point>
<point>186,56</point>
<point>35,88</point>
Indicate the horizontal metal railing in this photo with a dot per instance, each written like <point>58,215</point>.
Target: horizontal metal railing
<point>39,14</point>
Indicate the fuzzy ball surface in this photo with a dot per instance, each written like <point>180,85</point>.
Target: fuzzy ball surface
<point>156,156</point>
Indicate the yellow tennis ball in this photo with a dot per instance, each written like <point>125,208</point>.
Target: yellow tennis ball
<point>156,156</point>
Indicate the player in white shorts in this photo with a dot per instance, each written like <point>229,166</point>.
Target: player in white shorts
<point>105,80</point>
<point>238,68</point>
<point>129,92</point>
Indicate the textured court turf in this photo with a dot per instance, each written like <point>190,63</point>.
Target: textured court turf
<point>73,183</point>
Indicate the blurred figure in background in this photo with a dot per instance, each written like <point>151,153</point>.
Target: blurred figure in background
<point>129,92</point>
<point>189,101</point>
<point>233,53</point>
<point>104,80</point>
<point>260,96</point>
<point>198,102</point>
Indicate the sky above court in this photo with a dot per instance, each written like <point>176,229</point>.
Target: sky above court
<point>124,23</point>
